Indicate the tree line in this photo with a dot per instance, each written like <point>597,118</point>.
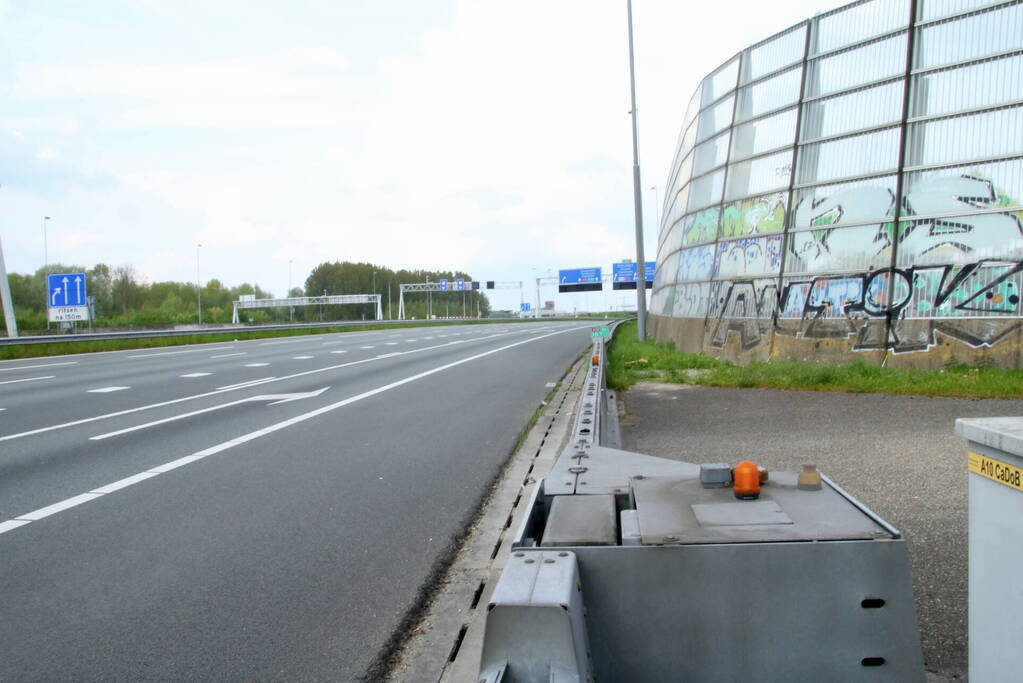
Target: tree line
<point>125,299</point>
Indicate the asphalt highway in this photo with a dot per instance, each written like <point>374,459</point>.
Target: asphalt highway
<point>257,510</point>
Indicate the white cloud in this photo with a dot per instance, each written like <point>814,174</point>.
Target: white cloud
<point>291,88</point>
<point>501,144</point>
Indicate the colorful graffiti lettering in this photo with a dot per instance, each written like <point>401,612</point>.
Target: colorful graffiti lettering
<point>976,303</point>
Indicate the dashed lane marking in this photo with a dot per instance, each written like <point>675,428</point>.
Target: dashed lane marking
<point>256,365</point>
<point>107,390</point>
<point>230,355</point>
<point>196,374</point>
<point>41,513</point>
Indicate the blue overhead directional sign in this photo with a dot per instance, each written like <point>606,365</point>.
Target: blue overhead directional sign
<point>66,289</point>
<point>623,272</point>
<point>443,285</point>
<point>623,275</point>
<point>524,307</point>
<point>578,276</point>
<point>460,284</point>
<point>579,280</point>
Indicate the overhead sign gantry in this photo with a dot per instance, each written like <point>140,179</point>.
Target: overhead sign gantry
<point>328,300</point>
<point>445,285</point>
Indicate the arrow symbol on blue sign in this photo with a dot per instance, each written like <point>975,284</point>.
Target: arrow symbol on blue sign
<point>65,281</point>
<point>53,298</point>
<point>78,289</point>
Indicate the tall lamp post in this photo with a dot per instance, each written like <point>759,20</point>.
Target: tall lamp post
<point>46,269</point>
<point>198,286</point>
<point>637,196</point>
<point>657,208</point>
<point>291,309</point>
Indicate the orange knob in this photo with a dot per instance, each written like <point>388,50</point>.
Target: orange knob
<point>596,360</point>
<point>747,481</point>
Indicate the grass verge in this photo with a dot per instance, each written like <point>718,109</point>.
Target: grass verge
<point>631,361</point>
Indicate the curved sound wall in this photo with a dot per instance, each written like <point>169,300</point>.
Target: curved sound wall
<point>853,188</point>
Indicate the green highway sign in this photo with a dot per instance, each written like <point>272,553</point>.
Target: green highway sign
<point>600,332</point>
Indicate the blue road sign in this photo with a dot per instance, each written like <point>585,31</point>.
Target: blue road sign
<point>623,272</point>
<point>460,284</point>
<point>626,271</point>
<point>66,289</point>
<point>443,285</point>
<point>578,276</point>
<point>524,307</point>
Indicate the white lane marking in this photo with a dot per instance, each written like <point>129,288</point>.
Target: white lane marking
<point>177,353</point>
<point>36,515</point>
<point>293,341</point>
<point>230,355</point>
<point>240,385</point>
<point>390,343</point>
<point>389,355</point>
<point>256,365</point>
<point>427,337</point>
<point>301,357</point>
<point>196,374</point>
<point>124,483</point>
<point>27,379</point>
<point>273,398</point>
<point>12,524</point>
<point>367,347</point>
<point>33,367</point>
<point>342,351</point>
<point>161,404</point>
<point>107,390</point>
<point>330,343</point>
<point>411,340</point>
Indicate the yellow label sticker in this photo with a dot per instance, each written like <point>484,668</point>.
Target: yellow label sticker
<point>996,470</point>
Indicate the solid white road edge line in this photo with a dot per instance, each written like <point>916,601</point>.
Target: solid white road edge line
<point>33,367</point>
<point>27,379</point>
<point>86,420</point>
<point>176,353</point>
<point>22,520</point>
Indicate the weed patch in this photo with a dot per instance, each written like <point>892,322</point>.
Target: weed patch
<point>630,361</point>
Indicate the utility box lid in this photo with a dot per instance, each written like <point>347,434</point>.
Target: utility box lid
<point>1002,433</point>
<point>674,510</point>
<point>581,520</point>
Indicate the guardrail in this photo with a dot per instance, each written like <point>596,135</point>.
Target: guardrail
<point>143,334</point>
<point>627,566</point>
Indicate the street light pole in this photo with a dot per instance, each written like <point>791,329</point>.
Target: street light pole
<point>537,316</point>
<point>46,268</point>
<point>198,285</point>
<point>291,309</point>
<point>637,195</point>
<point>657,208</point>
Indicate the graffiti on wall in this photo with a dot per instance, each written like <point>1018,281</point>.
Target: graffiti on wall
<point>976,303</point>
<point>961,275</point>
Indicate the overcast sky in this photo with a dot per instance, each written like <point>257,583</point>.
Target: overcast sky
<point>489,137</point>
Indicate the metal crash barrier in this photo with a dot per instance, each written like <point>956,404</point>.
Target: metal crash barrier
<point>632,567</point>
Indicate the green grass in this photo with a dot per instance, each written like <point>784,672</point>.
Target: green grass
<point>630,361</point>
<point>17,351</point>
